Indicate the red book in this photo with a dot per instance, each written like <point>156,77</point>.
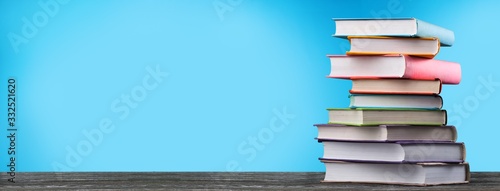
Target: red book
<point>394,66</point>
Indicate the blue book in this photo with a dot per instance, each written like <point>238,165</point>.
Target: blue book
<point>395,27</point>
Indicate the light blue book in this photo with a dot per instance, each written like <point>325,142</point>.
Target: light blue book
<point>396,27</point>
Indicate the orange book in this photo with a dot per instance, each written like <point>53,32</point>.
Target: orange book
<point>376,45</point>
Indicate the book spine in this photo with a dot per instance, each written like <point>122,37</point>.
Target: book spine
<point>440,101</point>
<point>445,113</point>
<point>455,134</point>
<point>464,152</point>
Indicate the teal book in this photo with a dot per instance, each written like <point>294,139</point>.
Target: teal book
<point>394,27</point>
<point>385,116</point>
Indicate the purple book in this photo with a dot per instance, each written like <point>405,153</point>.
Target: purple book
<point>394,152</point>
<point>421,174</point>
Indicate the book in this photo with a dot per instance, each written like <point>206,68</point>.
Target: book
<point>407,152</point>
<point>421,174</point>
<point>395,86</point>
<point>398,27</point>
<point>394,130</point>
<point>381,116</point>
<point>385,133</point>
<point>395,101</point>
<point>394,66</point>
<point>377,45</point>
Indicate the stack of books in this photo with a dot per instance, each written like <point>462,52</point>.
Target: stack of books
<point>395,130</point>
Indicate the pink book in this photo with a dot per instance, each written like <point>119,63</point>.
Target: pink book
<point>394,66</point>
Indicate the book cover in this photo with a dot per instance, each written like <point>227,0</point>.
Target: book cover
<point>380,116</point>
<point>394,66</point>
<point>379,45</point>
<point>386,133</point>
<point>418,174</point>
<point>394,151</point>
<point>431,102</point>
<point>397,27</point>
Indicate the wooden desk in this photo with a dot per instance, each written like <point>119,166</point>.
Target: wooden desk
<point>216,181</point>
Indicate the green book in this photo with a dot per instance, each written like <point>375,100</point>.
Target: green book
<point>385,116</point>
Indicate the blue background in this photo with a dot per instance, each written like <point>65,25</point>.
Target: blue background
<point>234,76</point>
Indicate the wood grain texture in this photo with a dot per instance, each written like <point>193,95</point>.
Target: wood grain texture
<point>214,181</point>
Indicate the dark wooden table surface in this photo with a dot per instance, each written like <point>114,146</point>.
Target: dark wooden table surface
<point>214,181</point>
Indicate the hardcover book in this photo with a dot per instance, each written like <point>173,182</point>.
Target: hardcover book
<point>394,66</point>
<point>395,86</point>
<point>397,27</point>
<point>381,116</point>
<point>406,152</point>
<point>376,45</point>
<point>420,174</point>
<point>395,101</point>
<point>384,133</point>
